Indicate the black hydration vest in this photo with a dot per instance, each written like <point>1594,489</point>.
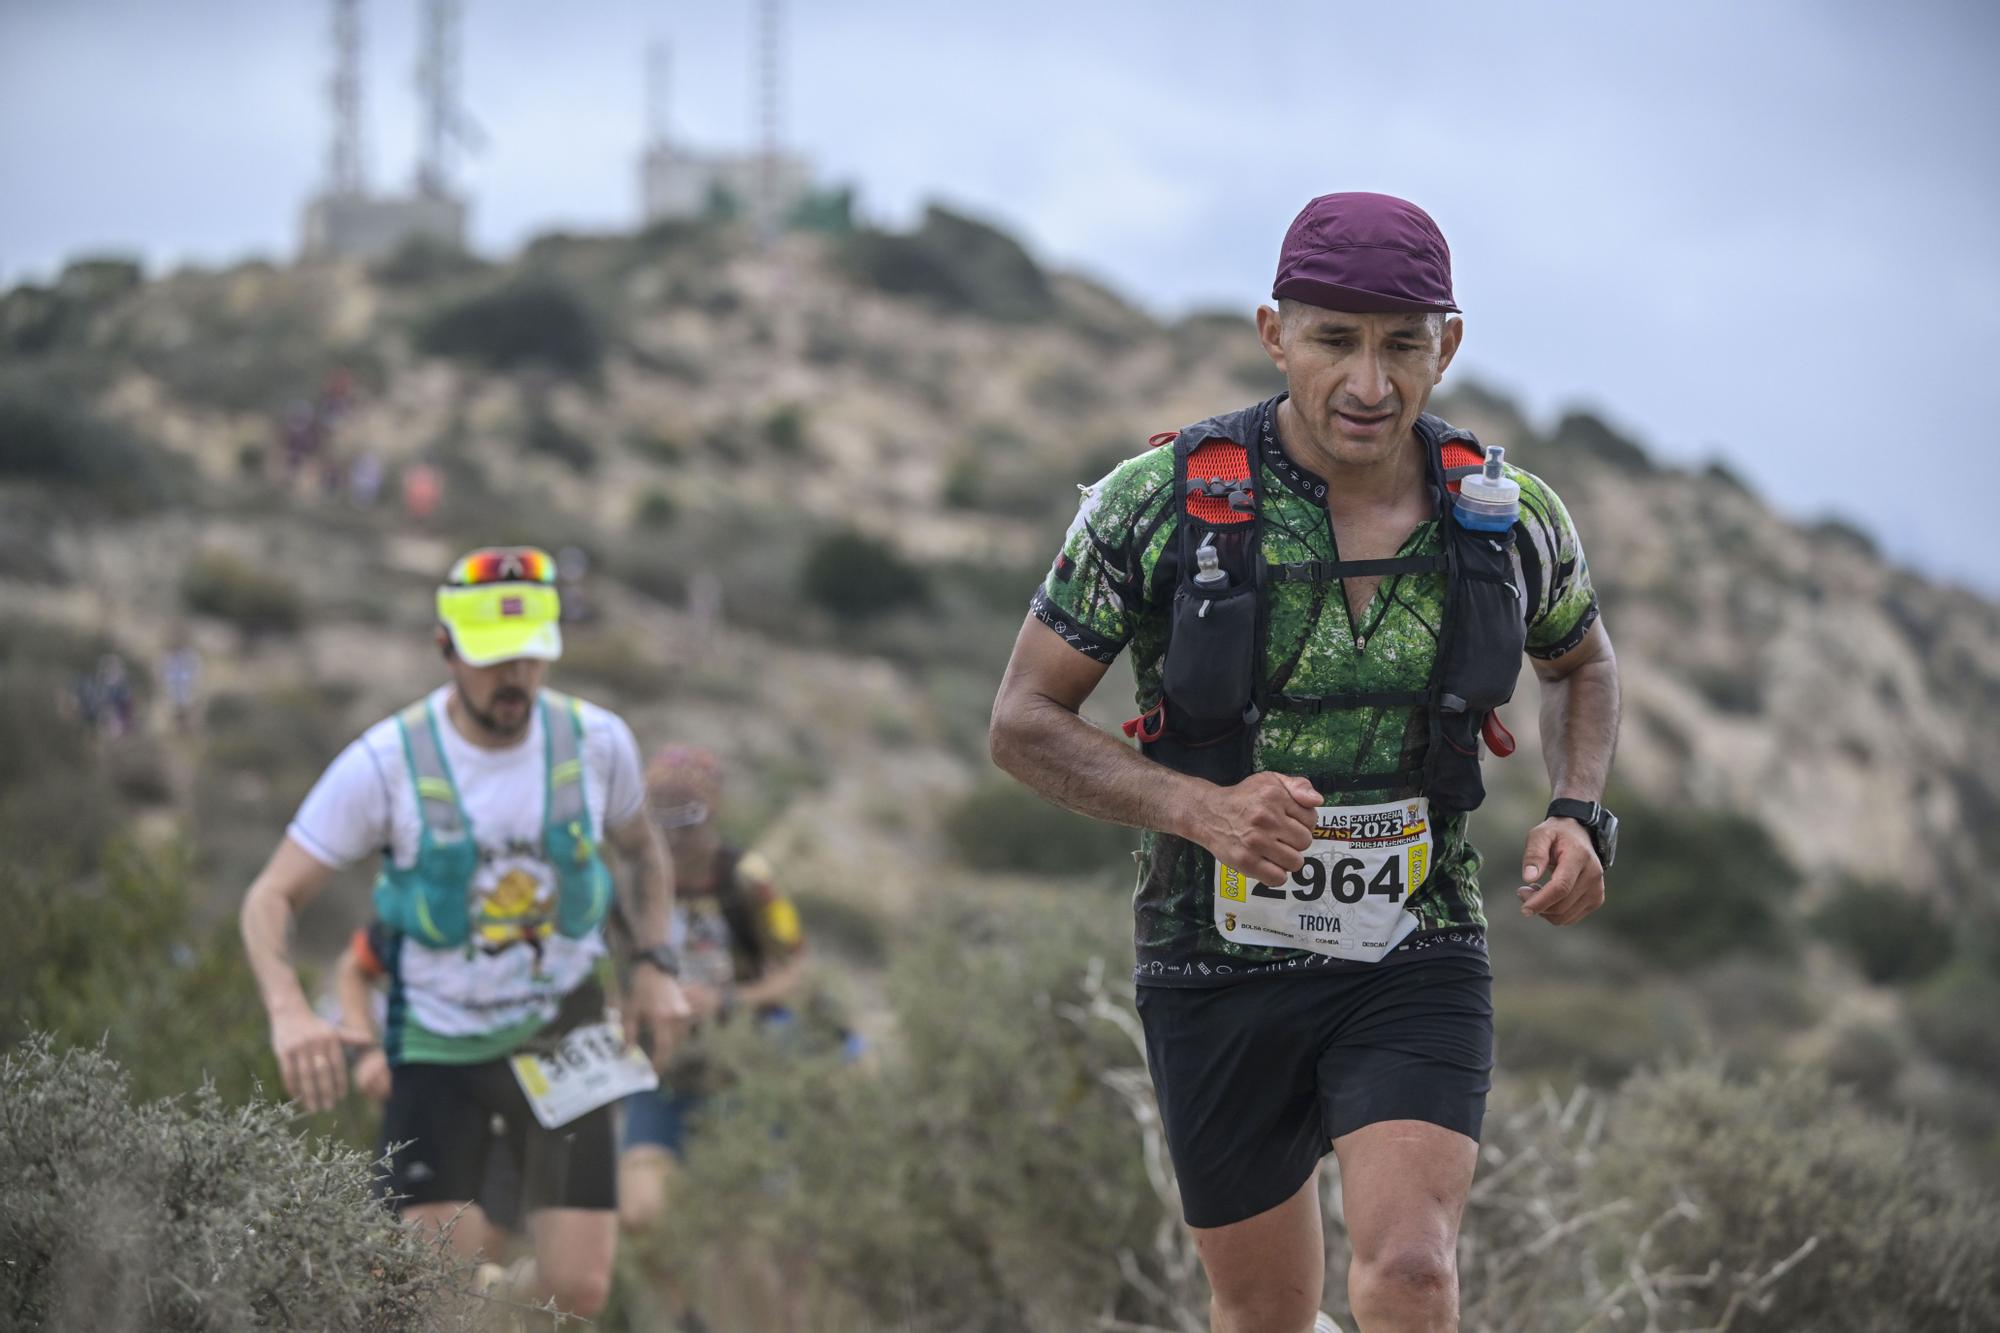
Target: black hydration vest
<point>1214,692</point>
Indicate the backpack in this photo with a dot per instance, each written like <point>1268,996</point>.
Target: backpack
<point>1214,694</point>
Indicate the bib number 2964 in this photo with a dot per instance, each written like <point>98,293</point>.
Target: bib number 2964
<point>1342,880</point>
<point>1348,899</point>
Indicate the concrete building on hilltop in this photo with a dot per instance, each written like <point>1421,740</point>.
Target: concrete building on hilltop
<point>677,183</point>
<point>346,221</point>
<point>356,226</point>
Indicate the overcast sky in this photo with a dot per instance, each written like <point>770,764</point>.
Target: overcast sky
<point>1762,230</point>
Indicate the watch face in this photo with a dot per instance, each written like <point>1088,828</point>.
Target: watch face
<point>1607,839</point>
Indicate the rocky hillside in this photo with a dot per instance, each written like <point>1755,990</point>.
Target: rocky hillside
<point>681,401</point>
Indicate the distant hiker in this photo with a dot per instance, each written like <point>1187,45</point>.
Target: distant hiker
<point>180,676</point>
<point>111,697</point>
<point>364,480</point>
<point>1327,595</point>
<point>423,488</point>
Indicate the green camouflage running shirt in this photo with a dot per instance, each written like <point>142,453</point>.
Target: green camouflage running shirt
<point>1112,586</point>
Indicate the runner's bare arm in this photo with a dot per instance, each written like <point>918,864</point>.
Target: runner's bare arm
<point>310,1057</point>
<point>778,984</point>
<point>1261,825</point>
<point>352,986</point>
<point>654,1002</point>
<point>1580,710</point>
<point>650,871</point>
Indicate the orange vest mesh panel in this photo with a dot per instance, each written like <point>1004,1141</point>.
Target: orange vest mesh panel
<point>1457,453</point>
<point>1217,460</point>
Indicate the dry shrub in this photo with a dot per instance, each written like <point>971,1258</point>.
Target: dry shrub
<point>256,602</point>
<point>185,1214</point>
<point>1003,1168</point>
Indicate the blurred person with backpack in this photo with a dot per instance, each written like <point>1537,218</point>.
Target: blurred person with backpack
<point>743,955</point>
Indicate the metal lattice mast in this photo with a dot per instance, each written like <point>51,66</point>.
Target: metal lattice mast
<point>659,68</point>
<point>770,77</point>
<point>344,174</point>
<point>437,87</point>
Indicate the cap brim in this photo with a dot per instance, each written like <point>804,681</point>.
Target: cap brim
<point>486,645</point>
<point>1357,300</point>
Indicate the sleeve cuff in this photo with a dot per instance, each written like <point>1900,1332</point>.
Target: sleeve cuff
<point>1571,639</point>
<point>1080,637</point>
<point>314,847</point>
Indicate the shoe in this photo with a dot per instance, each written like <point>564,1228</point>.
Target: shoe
<point>1323,1323</point>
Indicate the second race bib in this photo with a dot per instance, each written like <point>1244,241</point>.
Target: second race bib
<point>590,1067</point>
<point>1349,899</point>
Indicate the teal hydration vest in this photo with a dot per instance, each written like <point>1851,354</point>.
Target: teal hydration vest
<point>431,901</point>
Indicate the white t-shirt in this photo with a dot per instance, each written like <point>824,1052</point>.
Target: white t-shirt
<point>366,801</point>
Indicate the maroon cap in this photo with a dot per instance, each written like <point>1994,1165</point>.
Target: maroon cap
<point>1365,253</point>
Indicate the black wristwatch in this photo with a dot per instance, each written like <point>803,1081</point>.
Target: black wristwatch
<point>661,956</point>
<point>1603,825</point>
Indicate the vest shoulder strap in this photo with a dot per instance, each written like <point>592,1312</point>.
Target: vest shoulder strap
<point>562,730</point>
<point>423,751</point>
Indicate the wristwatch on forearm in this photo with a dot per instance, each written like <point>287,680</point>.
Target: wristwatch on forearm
<point>662,956</point>
<point>1601,823</point>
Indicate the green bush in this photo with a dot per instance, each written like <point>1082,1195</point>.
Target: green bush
<point>1692,885</point>
<point>34,320</point>
<point>1750,1173</point>
<point>187,1215</point>
<point>958,264</point>
<point>656,446</point>
<point>618,662</point>
<point>656,509</point>
<point>85,456</point>
<point>219,584</point>
<point>1001,825</point>
<point>57,799</point>
<point>1894,935</point>
<point>1953,1015</point>
<point>1868,1058</point>
<point>96,278</point>
<point>1582,433</point>
<point>1730,689</point>
<point>529,322</point>
<point>984,1176</point>
<point>421,260</point>
<point>118,958</point>
<point>856,576</point>
<point>785,428</point>
<point>1593,1030</point>
<point>546,435</point>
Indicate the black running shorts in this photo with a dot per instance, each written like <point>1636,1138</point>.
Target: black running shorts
<point>454,1119</point>
<point>1255,1080</point>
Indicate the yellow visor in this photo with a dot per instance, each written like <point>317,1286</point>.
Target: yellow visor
<point>498,622</point>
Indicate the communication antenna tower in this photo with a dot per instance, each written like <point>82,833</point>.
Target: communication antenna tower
<point>344,158</point>
<point>659,67</point>
<point>445,122</point>
<point>770,77</point>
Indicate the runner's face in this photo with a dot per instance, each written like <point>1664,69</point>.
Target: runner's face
<point>693,849</point>
<point>501,697</point>
<point>1358,382</point>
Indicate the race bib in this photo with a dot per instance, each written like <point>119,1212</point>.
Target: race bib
<point>1348,899</point>
<point>591,1067</point>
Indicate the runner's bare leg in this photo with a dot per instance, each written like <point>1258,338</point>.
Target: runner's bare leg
<point>471,1235</point>
<point>1266,1272</point>
<point>574,1248</point>
<point>1402,1186</point>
